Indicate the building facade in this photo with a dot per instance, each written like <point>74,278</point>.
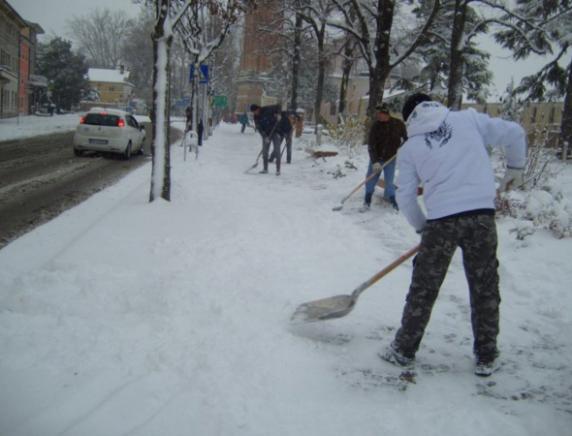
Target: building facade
<point>20,87</point>
<point>255,62</point>
<point>11,25</point>
<point>109,87</point>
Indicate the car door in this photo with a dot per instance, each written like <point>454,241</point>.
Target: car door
<point>135,132</point>
<point>140,131</point>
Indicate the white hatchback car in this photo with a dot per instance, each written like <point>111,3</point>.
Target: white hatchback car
<point>108,130</point>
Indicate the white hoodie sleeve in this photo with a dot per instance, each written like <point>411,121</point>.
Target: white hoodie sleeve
<point>505,134</point>
<point>406,193</point>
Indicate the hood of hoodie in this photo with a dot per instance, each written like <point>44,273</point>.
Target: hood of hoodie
<point>426,118</point>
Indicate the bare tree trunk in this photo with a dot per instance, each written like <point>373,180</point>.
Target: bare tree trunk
<point>321,73</point>
<point>346,70</point>
<point>160,172</point>
<point>566,126</point>
<point>296,61</point>
<point>455,86</point>
<point>382,69</point>
<point>376,52</point>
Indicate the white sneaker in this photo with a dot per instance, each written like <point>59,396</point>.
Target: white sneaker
<point>395,357</point>
<point>364,208</point>
<point>485,369</point>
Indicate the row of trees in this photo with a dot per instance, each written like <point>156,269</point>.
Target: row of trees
<point>104,39</point>
<point>203,26</point>
<point>437,37</point>
<point>172,30</point>
<point>65,70</point>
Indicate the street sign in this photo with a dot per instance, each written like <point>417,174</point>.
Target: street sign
<point>220,101</point>
<point>203,73</point>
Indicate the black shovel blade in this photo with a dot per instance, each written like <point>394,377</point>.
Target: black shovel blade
<point>325,308</point>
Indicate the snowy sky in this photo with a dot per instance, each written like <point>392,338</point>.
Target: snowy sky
<point>52,16</point>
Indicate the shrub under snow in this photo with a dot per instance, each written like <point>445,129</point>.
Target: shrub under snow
<point>540,203</point>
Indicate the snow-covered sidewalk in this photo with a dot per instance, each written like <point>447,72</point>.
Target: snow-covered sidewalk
<point>26,126</point>
<point>122,317</point>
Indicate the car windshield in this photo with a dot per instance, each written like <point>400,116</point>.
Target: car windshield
<point>101,119</point>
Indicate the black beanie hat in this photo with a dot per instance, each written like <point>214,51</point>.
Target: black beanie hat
<point>411,102</point>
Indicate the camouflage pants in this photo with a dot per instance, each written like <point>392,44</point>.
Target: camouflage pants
<point>477,237</point>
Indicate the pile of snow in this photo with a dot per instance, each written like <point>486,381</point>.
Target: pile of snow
<point>545,201</point>
<point>107,75</point>
<point>26,126</point>
<point>124,317</point>
<point>545,208</point>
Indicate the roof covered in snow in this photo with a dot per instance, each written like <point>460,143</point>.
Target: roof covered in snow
<point>107,75</point>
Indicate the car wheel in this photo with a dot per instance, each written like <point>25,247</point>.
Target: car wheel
<point>127,153</point>
<point>77,152</point>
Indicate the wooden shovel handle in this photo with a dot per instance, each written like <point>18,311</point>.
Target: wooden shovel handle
<point>385,271</point>
<point>372,175</point>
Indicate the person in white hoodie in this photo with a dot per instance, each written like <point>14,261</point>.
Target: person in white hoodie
<point>446,153</point>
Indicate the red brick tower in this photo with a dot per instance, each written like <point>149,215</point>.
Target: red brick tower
<point>256,61</point>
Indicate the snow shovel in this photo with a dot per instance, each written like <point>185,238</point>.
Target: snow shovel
<point>255,163</point>
<point>260,154</point>
<point>282,152</point>
<point>337,208</point>
<point>340,305</point>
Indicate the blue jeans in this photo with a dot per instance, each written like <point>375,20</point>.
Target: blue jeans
<point>388,173</point>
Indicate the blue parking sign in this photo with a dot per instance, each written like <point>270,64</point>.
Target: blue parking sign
<point>203,73</point>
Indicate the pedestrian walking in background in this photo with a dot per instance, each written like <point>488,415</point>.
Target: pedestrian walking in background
<point>243,120</point>
<point>189,118</point>
<point>385,137</point>
<point>200,131</point>
<point>447,153</point>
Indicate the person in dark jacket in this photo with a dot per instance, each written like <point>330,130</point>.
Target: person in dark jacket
<point>385,137</point>
<point>189,117</point>
<point>285,130</point>
<point>200,131</point>
<point>243,120</point>
<point>271,125</point>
